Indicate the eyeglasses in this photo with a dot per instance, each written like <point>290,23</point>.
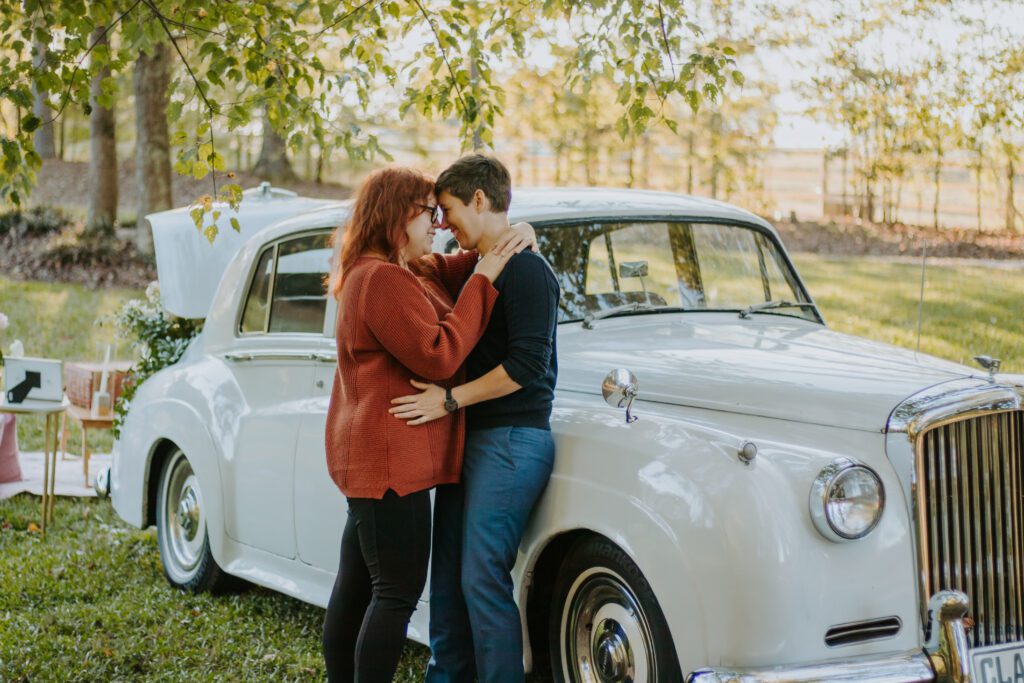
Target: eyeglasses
<point>436,213</point>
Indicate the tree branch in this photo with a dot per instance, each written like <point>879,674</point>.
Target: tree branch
<point>99,38</point>
<point>345,16</point>
<point>444,55</point>
<point>664,37</point>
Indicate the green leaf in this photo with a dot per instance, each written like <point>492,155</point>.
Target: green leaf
<point>30,123</point>
<point>197,217</point>
<point>622,127</point>
<point>235,224</point>
<point>210,233</point>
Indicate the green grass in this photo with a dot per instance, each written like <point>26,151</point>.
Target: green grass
<point>89,603</point>
<point>57,320</point>
<point>968,310</point>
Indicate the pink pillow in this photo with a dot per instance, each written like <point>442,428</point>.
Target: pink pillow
<point>10,470</point>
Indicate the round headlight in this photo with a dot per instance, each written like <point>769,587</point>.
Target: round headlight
<point>846,500</point>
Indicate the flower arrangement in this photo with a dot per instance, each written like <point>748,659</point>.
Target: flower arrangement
<point>159,337</point>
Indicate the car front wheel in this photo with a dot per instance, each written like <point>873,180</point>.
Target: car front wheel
<point>181,529</point>
<point>609,627</point>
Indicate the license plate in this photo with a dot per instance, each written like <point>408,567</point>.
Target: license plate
<point>999,664</point>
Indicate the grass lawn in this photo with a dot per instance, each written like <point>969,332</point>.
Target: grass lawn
<point>968,310</point>
<point>57,320</point>
<point>89,603</point>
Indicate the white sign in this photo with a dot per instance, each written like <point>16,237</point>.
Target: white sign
<point>35,379</point>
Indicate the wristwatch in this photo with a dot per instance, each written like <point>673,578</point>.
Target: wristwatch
<point>450,404</point>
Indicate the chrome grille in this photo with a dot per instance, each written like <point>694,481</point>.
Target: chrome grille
<point>970,497</point>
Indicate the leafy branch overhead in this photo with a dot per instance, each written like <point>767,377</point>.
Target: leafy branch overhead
<point>446,58</point>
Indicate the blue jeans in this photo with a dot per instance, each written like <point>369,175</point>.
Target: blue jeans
<point>475,628</point>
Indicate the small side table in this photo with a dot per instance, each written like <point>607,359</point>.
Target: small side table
<point>85,419</point>
<point>51,438</point>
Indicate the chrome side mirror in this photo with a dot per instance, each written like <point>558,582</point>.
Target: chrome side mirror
<point>619,388</point>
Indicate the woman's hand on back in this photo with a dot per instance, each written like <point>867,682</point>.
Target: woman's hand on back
<point>492,263</point>
<point>520,236</point>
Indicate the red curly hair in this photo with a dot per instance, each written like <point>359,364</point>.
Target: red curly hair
<point>383,207</point>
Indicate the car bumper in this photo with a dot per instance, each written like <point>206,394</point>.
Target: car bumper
<point>945,658</point>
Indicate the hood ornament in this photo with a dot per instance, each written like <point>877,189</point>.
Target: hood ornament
<point>989,363</point>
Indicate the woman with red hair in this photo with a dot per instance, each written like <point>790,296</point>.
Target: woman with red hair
<point>404,313</point>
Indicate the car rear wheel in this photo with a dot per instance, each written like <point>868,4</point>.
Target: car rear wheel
<point>610,628</point>
<point>181,530</point>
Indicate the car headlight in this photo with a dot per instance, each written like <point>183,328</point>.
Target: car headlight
<point>846,501</point>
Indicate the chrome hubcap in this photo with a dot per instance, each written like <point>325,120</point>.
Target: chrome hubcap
<point>181,517</point>
<point>606,637</point>
<point>611,651</point>
<point>188,513</point>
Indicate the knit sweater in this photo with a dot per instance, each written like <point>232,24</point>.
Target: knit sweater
<point>394,326</point>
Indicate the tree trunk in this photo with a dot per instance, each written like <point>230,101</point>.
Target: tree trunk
<point>273,164</point>
<point>690,143</point>
<point>824,185</point>
<point>936,179</point>
<point>979,167</point>
<point>44,136</point>
<point>102,212</point>
<point>1011,208</point>
<point>152,143</point>
<point>846,198</point>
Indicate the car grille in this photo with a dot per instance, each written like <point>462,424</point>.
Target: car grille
<point>970,497</point>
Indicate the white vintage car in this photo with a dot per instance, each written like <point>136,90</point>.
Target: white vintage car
<point>739,494</point>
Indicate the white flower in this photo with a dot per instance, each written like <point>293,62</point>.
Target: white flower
<point>4,322</point>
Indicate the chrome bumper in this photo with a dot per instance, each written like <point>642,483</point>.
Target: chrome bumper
<point>945,658</point>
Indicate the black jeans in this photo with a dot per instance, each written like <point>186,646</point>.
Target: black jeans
<point>385,550</point>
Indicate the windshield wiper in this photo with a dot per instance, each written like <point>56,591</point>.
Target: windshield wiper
<point>767,305</point>
<point>589,318</point>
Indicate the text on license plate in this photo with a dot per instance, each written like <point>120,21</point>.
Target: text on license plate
<point>1000,664</point>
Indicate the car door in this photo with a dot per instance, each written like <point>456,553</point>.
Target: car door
<point>279,347</point>
<point>320,508</point>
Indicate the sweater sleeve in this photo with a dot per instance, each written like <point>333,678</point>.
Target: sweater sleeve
<point>455,269</point>
<point>530,302</point>
<point>401,317</point>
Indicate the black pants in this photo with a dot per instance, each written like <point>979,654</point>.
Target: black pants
<point>385,550</point>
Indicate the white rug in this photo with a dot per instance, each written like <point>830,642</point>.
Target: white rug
<point>70,481</point>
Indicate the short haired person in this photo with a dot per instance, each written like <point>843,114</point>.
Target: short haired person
<point>398,319</point>
<point>475,630</point>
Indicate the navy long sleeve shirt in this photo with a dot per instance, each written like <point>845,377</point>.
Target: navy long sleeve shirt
<point>521,338</point>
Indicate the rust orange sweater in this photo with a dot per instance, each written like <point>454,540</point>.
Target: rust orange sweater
<point>394,326</point>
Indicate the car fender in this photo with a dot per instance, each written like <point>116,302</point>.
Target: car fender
<point>178,422</point>
<point>719,540</point>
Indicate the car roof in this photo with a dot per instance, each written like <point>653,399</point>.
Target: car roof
<point>543,204</point>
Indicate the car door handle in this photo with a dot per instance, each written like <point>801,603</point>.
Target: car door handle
<point>326,357</point>
<point>270,356</point>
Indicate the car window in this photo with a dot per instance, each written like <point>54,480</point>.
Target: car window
<point>254,315</point>
<point>737,264</point>
<point>299,297</point>
<point>693,266</point>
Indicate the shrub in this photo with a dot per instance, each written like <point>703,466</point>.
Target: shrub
<point>159,337</point>
<point>35,222</point>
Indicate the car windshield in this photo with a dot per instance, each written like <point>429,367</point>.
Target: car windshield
<point>633,267</point>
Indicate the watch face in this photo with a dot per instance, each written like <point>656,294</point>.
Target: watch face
<point>451,405</point>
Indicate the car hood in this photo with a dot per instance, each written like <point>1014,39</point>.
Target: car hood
<point>769,365</point>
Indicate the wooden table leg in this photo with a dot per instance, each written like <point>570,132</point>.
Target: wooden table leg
<point>63,436</point>
<point>46,472</point>
<point>54,440</point>
<point>85,456</point>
